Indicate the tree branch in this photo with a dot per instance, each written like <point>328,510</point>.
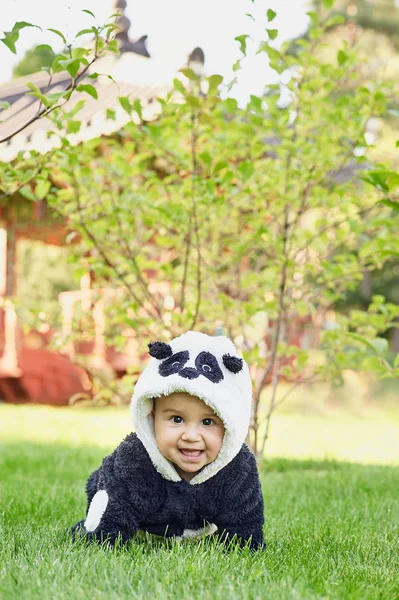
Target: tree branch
<point>46,111</point>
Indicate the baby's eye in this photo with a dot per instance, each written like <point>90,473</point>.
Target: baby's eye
<point>206,368</point>
<point>208,421</point>
<point>177,419</point>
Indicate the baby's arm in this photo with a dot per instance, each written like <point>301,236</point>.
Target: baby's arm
<point>241,511</point>
<point>109,513</point>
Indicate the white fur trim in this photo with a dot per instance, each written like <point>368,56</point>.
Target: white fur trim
<point>230,399</point>
<point>209,529</point>
<point>96,510</point>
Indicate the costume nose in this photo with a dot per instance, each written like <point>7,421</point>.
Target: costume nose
<point>189,373</point>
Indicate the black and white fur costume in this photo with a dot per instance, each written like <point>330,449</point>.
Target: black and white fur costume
<point>138,489</point>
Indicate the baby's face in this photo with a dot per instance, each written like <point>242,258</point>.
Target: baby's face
<point>187,431</point>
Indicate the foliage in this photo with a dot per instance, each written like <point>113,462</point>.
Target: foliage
<point>378,15</point>
<point>34,60</point>
<point>251,221</point>
<point>43,273</point>
<point>241,214</point>
<point>76,62</point>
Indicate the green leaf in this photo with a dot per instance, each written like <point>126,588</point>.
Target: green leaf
<point>42,188</point>
<point>179,87</point>
<point>214,82</point>
<point>242,39</point>
<point>272,33</point>
<point>327,3</point>
<point>111,115</point>
<point>84,32</point>
<point>44,47</point>
<point>256,103</point>
<point>373,363</point>
<point>61,35</point>
<point>342,57</point>
<point>53,98</point>
<point>26,192</point>
<point>125,104</point>
<point>9,41</point>
<point>391,203</point>
<point>314,17</point>
<point>4,105</point>
<point>380,345</point>
<point>137,107</point>
<point>206,158</point>
<point>189,73</point>
<point>220,165</point>
<point>377,179</point>
<point>231,105</point>
<point>335,20</point>
<point>38,94</point>
<point>112,46</point>
<point>71,65</point>
<point>360,338</point>
<point>246,169</point>
<point>22,24</point>
<point>12,36</point>
<point>270,14</point>
<point>88,12</point>
<point>89,89</point>
<point>73,126</point>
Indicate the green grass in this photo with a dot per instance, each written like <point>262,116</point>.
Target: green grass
<point>332,527</point>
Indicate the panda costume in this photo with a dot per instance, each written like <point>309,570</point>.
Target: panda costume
<point>137,489</point>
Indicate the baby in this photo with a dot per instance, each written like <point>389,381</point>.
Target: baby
<point>186,471</point>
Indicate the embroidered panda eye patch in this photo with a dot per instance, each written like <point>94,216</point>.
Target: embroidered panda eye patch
<point>174,363</point>
<point>206,364</point>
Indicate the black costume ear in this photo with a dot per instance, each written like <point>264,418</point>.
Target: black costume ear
<point>232,363</point>
<point>159,350</point>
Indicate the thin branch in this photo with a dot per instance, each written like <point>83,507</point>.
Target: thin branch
<point>276,336</point>
<point>275,404</point>
<point>186,260</point>
<point>199,276</point>
<point>194,168</point>
<point>46,111</point>
<point>272,405</point>
<point>334,225</point>
<point>106,258</point>
<point>133,260</point>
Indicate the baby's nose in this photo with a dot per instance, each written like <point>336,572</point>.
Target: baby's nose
<point>191,433</point>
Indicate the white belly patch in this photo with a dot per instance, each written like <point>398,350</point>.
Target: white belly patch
<point>96,510</point>
<point>209,529</point>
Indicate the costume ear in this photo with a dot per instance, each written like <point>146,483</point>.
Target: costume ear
<point>232,363</point>
<point>159,350</point>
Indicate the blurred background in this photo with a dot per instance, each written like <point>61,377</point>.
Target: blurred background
<point>68,363</point>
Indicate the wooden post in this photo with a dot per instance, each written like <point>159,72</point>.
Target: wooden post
<point>11,260</point>
<point>99,349</point>
<point>9,358</point>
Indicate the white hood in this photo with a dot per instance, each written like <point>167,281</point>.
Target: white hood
<point>203,366</point>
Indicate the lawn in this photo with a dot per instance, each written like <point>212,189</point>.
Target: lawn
<point>332,527</point>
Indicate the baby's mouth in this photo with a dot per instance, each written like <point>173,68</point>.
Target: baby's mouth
<point>191,453</point>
